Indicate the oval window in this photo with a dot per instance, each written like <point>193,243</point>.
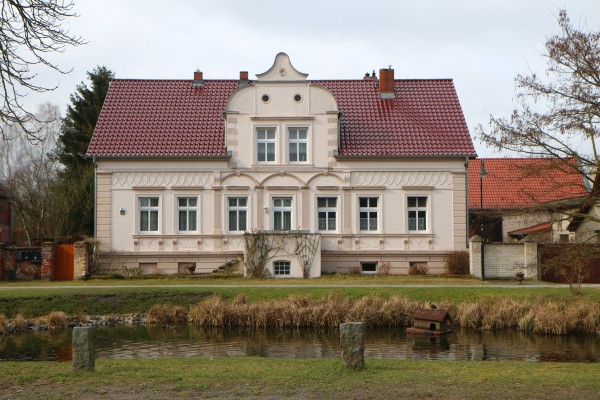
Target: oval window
<point>265,98</point>
<point>297,98</point>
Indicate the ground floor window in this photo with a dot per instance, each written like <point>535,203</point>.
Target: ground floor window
<point>281,268</point>
<point>282,213</point>
<point>368,210</point>
<point>148,214</point>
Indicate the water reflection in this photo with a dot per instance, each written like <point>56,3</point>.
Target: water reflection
<point>385,343</point>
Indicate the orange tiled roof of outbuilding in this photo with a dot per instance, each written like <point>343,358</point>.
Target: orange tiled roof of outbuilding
<point>513,183</point>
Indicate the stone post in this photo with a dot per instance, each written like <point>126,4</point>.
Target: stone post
<point>352,339</point>
<point>48,255</point>
<point>475,256</point>
<point>84,357</point>
<point>80,260</point>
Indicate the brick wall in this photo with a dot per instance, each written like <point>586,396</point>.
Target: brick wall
<point>13,267</point>
<point>503,260</point>
<point>48,254</point>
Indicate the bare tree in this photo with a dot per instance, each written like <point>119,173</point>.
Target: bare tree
<point>572,263</point>
<point>30,31</point>
<point>31,175</point>
<point>558,115</point>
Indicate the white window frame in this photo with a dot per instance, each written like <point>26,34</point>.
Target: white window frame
<point>187,209</point>
<point>417,209</point>
<point>266,141</point>
<point>282,209</point>
<point>297,142</point>
<point>327,209</point>
<point>287,265</point>
<point>237,209</point>
<point>369,209</point>
<point>139,209</point>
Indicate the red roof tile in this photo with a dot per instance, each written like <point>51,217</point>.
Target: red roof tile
<point>513,183</point>
<point>173,118</point>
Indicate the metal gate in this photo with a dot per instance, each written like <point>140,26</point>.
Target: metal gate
<point>64,262</point>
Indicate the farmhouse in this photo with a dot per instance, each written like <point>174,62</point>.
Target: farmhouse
<point>374,167</point>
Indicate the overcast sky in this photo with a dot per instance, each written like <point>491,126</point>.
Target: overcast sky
<point>481,44</point>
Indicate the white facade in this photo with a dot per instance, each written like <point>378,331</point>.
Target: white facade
<point>282,173</point>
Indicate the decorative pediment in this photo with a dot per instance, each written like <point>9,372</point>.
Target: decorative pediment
<point>282,70</point>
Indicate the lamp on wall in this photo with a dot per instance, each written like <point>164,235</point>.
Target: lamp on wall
<point>482,174</point>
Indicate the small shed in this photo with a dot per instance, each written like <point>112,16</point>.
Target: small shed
<point>433,320</point>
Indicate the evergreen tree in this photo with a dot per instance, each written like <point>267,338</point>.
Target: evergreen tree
<point>77,179</point>
<point>81,118</point>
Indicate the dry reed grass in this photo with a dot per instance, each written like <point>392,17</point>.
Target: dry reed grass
<point>166,315</point>
<point>3,324</point>
<point>56,320</point>
<point>20,323</point>
<point>538,316</point>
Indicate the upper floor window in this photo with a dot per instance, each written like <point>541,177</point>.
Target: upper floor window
<point>282,213</point>
<point>368,212</point>
<point>417,213</point>
<point>265,145</point>
<point>148,209</point>
<point>298,144</point>
<point>238,213</point>
<point>327,213</point>
<point>187,212</point>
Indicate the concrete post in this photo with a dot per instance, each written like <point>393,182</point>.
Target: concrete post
<point>48,255</point>
<point>84,357</point>
<point>475,256</point>
<point>352,339</point>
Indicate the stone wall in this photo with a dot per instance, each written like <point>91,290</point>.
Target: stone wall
<point>503,260</point>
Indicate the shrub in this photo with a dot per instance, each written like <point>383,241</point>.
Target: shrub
<point>418,268</point>
<point>457,263</point>
<point>356,270</point>
<point>384,268</point>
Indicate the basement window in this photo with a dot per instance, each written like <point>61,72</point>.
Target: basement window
<point>368,267</point>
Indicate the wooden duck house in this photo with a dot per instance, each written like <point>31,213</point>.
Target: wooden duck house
<point>430,321</point>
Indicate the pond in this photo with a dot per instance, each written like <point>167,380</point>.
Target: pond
<point>383,343</point>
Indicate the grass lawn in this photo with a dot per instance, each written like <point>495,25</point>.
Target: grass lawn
<point>107,299</point>
<point>262,378</point>
<point>217,279</point>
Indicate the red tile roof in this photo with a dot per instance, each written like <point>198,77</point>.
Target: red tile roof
<point>172,118</point>
<point>513,183</point>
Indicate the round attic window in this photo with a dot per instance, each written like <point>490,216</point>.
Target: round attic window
<point>265,98</point>
<point>297,98</point>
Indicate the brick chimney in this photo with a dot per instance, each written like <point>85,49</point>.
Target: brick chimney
<point>386,83</point>
<point>243,78</point>
<point>198,78</point>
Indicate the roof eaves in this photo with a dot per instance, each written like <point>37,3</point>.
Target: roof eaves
<point>338,156</point>
<point>226,156</point>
